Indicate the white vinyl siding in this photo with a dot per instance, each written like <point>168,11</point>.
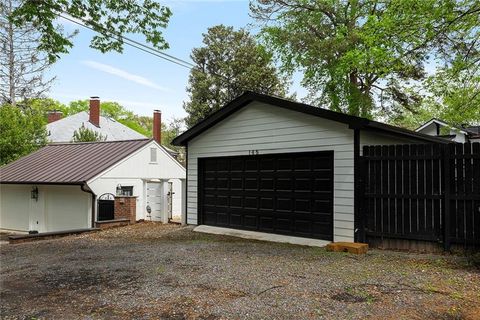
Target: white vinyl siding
<point>271,129</point>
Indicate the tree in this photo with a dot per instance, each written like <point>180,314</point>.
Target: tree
<point>87,135</point>
<point>365,55</point>
<point>229,63</point>
<point>453,96</point>
<point>22,66</point>
<point>112,20</point>
<point>22,131</point>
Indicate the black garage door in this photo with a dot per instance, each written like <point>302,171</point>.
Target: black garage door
<point>288,194</point>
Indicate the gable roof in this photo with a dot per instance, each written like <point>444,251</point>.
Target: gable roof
<point>440,122</point>
<point>68,163</point>
<point>62,130</point>
<point>248,97</point>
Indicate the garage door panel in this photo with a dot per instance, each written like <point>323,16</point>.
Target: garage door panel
<point>266,223</point>
<point>285,194</point>
<point>250,222</point>
<point>236,220</point>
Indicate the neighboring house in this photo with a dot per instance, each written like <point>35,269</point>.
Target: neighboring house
<point>271,165</point>
<point>61,130</point>
<point>438,128</point>
<point>58,187</point>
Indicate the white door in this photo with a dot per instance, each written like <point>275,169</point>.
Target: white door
<point>37,213</point>
<point>154,201</point>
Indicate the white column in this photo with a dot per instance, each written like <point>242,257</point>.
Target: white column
<point>165,201</point>
<point>184,201</point>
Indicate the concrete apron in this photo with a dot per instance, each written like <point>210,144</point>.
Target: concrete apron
<point>261,236</point>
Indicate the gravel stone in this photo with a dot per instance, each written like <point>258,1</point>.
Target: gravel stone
<point>155,271</point>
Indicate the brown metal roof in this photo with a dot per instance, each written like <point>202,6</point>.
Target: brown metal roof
<point>68,163</point>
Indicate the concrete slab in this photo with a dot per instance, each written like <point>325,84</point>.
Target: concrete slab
<point>261,236</point>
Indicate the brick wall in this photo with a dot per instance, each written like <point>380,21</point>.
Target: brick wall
<point>125,208</point>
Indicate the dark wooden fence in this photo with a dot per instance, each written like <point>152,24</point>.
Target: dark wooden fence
<point>425,192</point>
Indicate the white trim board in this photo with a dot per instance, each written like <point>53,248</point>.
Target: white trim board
<point>254,235</point>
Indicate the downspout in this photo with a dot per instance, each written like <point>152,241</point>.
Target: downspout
<point>94,200</point>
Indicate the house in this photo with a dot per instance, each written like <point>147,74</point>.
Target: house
<point>60,130</point>
<point>271,165</point>
<point>66,186</point>
<point>438,128</point>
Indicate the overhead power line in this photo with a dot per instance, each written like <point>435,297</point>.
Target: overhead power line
<point>140,46</point>
<point>131,42</point>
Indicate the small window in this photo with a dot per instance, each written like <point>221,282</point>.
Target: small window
<point>153,154</point>
<point>127,191</point>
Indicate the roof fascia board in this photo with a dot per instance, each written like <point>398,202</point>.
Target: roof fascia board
<point>440,122</point>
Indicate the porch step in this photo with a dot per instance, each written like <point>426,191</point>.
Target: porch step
<point>350,247</point>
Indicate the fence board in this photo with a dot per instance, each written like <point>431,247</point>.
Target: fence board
<point>423,192</point>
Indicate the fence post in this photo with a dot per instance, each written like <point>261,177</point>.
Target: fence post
<point>446,197</point>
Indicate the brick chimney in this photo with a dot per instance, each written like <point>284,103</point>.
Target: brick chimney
<point>157,126</point>
<point>95,111</point>
<point>54,115</point>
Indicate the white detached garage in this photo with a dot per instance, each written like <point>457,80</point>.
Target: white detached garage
<point>271,165</point>
<point>60,186</point>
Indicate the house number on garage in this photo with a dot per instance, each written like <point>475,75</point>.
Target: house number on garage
<point>252,152</point>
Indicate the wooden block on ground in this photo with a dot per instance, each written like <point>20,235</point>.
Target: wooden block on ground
<point>350,247</point>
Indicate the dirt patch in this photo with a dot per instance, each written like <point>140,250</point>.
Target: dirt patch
<point>151,271</point>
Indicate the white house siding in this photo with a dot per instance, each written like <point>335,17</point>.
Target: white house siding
<point>57,208</point>
<point>431,129</point>
<point>66,207</point>
<point>14,207</point>
<point>136,170</point>
<point>270,129</point>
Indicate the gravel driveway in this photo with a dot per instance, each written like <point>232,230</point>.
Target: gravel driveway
<point>152,271</point>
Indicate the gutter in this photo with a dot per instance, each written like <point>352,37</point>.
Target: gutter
<point>94,198</point>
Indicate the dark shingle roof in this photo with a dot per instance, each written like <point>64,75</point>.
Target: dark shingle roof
<point>68,163</point>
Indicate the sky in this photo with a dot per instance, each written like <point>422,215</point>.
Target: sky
<point>139,81</point>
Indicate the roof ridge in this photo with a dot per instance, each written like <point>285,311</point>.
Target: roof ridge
<point>96,142</point>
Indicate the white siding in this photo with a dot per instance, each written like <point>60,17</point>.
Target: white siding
<point>57,208</point>
<point>431,129</point>
<point>66,207</point>
<point>135,170</point>
<point>271,129</point>
<point>14,207</point>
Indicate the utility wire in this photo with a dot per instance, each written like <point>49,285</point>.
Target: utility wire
<point>140,46</point>
<point>132,43</point>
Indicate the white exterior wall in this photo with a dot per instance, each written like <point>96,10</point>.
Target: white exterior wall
<point>58,208</point>
<point>431,129</point>
<point>66,207</point>
<point>14,207</point>
<point>270,129</point>
<point>136,170</point>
